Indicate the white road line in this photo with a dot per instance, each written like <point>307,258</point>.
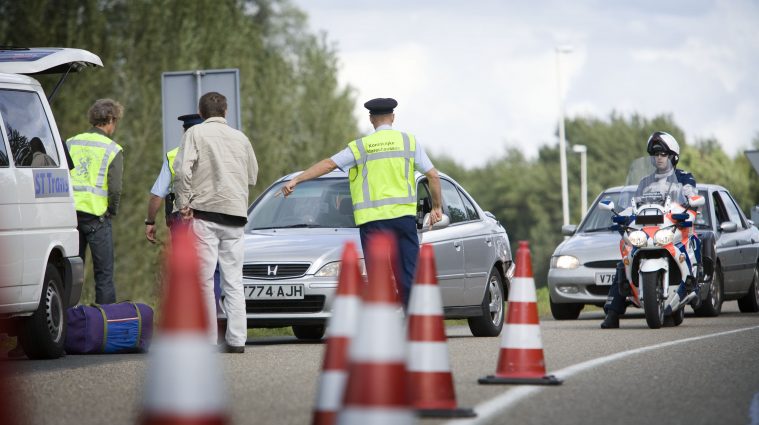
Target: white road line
<point>753,411</point>
<point>487,410</point>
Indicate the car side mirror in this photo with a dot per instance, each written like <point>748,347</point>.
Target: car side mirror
<point>442,224</point>
<point>568,229</point>
<point>728,227</point>
<point>606,205</point>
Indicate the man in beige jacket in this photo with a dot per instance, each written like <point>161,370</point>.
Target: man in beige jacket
<point>214,167</point>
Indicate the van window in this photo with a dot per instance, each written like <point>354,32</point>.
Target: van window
<point>3,154</point>
<point>27,129</point>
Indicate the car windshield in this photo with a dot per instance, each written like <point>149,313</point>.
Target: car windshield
<point>315,203</point>
<point>599,220</point>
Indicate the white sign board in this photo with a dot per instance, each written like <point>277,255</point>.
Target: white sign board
<point>181,91</point>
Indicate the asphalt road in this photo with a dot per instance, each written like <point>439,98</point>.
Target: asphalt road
<point>705,371</point>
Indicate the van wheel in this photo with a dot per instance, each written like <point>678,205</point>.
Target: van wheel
<point>308,332</point>
<point>491,321</point>
<point>42,335</point>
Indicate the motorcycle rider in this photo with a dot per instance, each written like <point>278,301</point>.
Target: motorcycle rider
<point>665,154</point>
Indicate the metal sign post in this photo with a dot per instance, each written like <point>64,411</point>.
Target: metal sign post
<point>181,91</point>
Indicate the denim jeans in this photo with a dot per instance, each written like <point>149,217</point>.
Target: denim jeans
<point>98,235</point>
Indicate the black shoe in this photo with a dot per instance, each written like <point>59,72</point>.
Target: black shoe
<point>611,321</point>
<point>234,349</point>
<point>16,352</point>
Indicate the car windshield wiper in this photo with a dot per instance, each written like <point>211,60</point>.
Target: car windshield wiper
<point>597,229</point>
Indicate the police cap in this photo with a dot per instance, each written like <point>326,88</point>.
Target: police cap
<point>381,106</point>
<point>189,120</point>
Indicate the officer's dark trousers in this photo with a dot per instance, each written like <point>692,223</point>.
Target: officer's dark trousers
<point>97,234</point>
<point>407,243</point>
<point>616,301</point>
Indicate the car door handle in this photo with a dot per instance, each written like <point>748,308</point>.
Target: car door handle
<point>457,245</point>
<point>489,241</point>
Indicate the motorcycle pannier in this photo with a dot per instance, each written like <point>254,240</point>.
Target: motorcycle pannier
<point>124,327</point>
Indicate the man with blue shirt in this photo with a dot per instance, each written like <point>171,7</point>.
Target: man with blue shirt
<point>383,188</point>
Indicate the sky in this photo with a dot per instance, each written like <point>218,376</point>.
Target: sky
<point>474,78</point>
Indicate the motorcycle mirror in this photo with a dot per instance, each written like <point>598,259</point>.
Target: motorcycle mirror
<point>696,201</point>
<point>606,205</point>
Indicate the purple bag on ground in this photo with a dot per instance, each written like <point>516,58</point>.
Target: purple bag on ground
<point>124,327</point>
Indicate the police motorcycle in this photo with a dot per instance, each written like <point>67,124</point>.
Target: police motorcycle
<point>660,252</point>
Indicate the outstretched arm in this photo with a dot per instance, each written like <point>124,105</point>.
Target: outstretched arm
<point>319,169</point>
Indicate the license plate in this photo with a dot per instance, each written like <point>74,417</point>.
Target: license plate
<point>274,292</point>
<point>604,279</point>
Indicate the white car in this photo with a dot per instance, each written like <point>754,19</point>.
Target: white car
<point>41,273</point>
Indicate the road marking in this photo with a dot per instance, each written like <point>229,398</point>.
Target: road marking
<point>753,411</point>
<point>489,409</point>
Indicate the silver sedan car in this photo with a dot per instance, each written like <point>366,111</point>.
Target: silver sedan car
<point>583,266</point>
<point>293,247</point>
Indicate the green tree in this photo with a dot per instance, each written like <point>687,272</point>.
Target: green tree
<point>293,109</point>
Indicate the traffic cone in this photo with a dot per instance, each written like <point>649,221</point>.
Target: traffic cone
<point>521,357</point>
<point>341,330</point>
<point>377,382</point>
<point>430,378</point>
<point>183,383</point>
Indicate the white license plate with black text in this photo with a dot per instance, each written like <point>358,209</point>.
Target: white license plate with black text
<point>274,292</point>
<point>604,279</point>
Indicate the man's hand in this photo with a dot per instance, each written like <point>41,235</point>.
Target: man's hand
<point>186,213</point>
<point>435,215</point>
<point>288,188</point>
<point>150,233</point>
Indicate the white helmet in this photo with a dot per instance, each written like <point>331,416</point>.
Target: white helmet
<point>660,141</point>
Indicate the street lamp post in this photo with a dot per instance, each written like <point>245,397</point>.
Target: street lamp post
<point>583,151</point>
<point>562,138</point>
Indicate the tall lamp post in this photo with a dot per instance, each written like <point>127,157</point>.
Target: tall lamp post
<point>583,151</point>
<point>562,137</point>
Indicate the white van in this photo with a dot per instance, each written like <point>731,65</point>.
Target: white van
<point>40,272</point>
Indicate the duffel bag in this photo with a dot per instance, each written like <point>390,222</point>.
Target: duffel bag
<point>124,327</point>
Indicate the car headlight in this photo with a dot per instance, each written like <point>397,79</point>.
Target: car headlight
<point>564,262</point>
<point>664,237</point>
<point>638,238</point>
<point>333,269</point>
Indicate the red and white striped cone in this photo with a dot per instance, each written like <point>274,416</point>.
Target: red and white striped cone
<point>183,383</point>
<point>521,357</point>
<point>377,390</point>
<point>430,377</point>
<point>341,330</point>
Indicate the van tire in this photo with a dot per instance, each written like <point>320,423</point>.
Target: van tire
<point>42,335</point>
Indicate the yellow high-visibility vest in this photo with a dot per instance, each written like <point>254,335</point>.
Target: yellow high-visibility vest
<point>382,182</point>
<point>171,156</point>
<point>92,154</point>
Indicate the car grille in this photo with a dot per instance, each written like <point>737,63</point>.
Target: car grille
<point>275,270</point>
<point>309,304</point>
<point>604,264</point>
<point>598,290</point>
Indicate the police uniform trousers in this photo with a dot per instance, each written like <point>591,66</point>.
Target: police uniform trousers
<point>403,229</point>
<point>223,243</point>
<point>96,232</point>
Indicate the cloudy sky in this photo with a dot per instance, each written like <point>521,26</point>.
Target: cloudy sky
<point>475,77</point>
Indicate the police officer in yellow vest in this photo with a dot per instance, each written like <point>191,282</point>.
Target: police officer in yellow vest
<point>383,189</point>
<point>96,182</point>
<point>163,187</point>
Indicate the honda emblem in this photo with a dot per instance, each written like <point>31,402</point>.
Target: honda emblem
<point>271,271</point>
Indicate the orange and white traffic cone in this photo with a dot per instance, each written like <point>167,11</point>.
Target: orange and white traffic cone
<point>341,330</point>
<point>521,357</point>
<point>377,390</point>
<point>430,377</point>
<point>183,381</point>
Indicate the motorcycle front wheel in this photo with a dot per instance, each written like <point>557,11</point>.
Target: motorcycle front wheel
<point>653,298</point>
